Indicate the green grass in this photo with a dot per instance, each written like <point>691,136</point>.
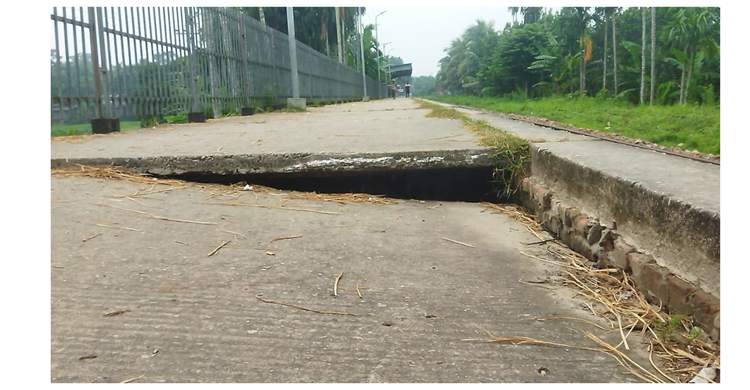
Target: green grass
<point>694,127</point>
<point>85,128</point>
<point>510,152</point>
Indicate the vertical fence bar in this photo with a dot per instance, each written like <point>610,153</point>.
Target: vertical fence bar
<point>160,59</point>
<point>196,115</point>
<point>67,67</point>
<point>121,66</point>
<point>112,46</point>
<point>78,70</point>
<point>95,63</point>
<point>107,69</point>
<point>144,104</point>
<point>154,63</point>
<point>148,63</point>
<point>175,73</point>
<point>87,91</point>
<point>179,32</point>
<point>165,58</point>
<point>57,68</point>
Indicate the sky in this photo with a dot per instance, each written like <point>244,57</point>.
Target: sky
<point>419,35</point>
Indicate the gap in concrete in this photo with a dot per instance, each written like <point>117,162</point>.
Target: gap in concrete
<point>449,184</point>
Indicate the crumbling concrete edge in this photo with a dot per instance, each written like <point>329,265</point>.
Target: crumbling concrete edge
<point>604,246</point>
<point>288,163</point>
<point>680,235</point>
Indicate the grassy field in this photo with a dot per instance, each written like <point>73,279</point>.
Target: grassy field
<point>686,127</point>
<point>85,128</point>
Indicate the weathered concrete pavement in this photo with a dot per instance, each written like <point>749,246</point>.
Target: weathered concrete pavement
<point>195,318</point>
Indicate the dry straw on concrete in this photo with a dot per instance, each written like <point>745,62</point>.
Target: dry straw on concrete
<point>612,295</point>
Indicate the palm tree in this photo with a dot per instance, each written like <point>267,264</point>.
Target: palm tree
<point>459,69</point>
<point>694,29</point>
<point>604,55</point>
<point>653,53</point>
<point>582,20</point>
<point>514,11</point>
<point>613,13</point>
<point>531,14</point>
<point>643,52</point>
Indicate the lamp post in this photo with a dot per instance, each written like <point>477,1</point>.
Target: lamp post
<point>380,91</point>
<point>384,45</point>
<point>389,63</point>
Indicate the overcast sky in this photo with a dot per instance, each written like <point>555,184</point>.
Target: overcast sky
<point>419,35</point>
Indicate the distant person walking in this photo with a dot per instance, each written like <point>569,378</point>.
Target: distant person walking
<point>392,89</point>
<point>407,89</point>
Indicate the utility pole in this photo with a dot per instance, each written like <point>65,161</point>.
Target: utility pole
<point>361,28</point>
<point>377,52</point>
<point>295,100</point>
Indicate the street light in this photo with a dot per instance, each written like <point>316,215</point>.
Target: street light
<point>384,45</point>
<point>380,92</point>
<point>389,63</point>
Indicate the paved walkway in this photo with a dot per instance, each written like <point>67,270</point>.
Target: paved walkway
<point>191,317</point>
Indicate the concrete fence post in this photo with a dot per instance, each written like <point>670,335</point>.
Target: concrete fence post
<point>105,123</point>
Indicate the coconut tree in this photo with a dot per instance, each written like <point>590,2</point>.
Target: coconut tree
<point>613,15</point>
<point>643,52</point>
<point>689,31</point>
<point>653,53</point>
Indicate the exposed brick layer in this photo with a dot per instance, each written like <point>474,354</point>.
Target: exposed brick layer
<point>601,244</point>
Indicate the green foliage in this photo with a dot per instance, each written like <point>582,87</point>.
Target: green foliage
<point>707,95</point>
<point>149,121</point>
<point>511,153</point>
<point>665,330</point>
<point>172,119</point>
<point>423,85</point>
<point>85,128</point>
<point>269,98</point>
<point>564,53</point>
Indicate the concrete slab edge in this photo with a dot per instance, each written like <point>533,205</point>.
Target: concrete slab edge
<point>288,163</point>
<point>607,248</point>
<point>679,235</point>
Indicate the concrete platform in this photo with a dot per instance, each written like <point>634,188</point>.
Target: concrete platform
<point>190,317</point>
<point>364,131</point>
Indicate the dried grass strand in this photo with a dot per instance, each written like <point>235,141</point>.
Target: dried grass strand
<point>157,216</point>
<point>458,242</point>
<point>313,310</point>
<point>213,252</point>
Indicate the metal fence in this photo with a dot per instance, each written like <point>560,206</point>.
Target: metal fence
<point>136,62</point>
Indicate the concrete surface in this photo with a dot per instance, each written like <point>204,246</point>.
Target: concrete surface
<point>378,126</point>
<point>196,318</point>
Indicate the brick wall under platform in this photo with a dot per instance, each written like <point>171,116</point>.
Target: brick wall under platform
<point>600,243</point>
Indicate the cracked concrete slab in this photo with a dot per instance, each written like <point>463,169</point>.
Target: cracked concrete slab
<point>188,317</point>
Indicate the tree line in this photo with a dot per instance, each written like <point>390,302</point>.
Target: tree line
<point>664,55</point>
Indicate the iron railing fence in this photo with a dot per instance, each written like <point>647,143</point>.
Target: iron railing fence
<point>136,62</point>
